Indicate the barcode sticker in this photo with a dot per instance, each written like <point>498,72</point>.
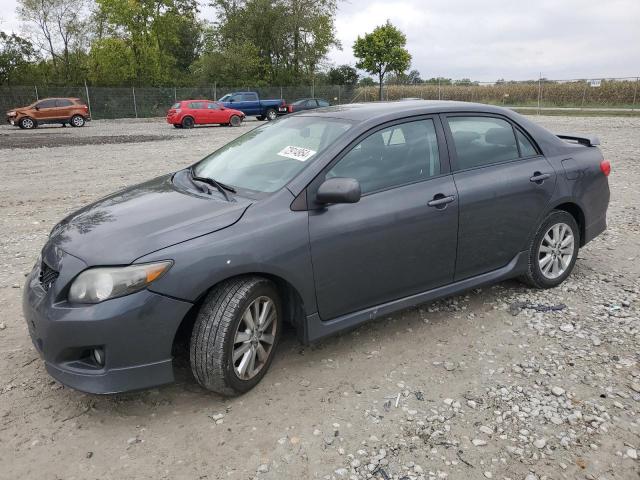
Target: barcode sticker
<point>297,153</point>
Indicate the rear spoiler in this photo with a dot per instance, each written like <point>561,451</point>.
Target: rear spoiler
<point>587,141</point>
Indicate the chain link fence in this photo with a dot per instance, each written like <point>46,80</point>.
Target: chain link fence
<point>141,102</point>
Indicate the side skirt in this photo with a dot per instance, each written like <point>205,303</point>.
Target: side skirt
<point>315,328</point>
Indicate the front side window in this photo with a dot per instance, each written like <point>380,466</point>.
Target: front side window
<point>482,141</point>
<point>213,106</point>
<point>394,156</point>
<point>237,98</point>
<point>268,157</point>
<point>46,104</point>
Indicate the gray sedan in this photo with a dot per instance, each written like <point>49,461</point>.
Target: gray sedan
<point>325,220</point>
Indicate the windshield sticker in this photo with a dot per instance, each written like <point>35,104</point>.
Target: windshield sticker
<point>297,153</point>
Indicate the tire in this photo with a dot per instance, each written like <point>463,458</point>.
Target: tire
<point>549,263</point>
<point>271,115</point>
<point>77,121</point>
<point>235,121</point>
<point>27,123</point>
<point>214,338</point>
<point>187,122</point>
<point>260,117</point>
<point>177,125</point>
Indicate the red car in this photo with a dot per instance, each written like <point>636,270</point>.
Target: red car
<point>187,113</point>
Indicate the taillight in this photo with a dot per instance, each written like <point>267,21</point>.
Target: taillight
<point>290,108</point>
<point>605,167</point>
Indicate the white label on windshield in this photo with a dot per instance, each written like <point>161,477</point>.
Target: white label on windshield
<point>297,153</point>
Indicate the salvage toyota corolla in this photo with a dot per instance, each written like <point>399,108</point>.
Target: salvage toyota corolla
<point>324,219</point>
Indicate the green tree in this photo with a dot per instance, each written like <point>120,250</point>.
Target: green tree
<point>59,28</point>
<point>343,75</point>
<point>382,51</point>
<point>291,37</point>
<point>163,36</point>
<point>366,82</point>
<point>15,54</point>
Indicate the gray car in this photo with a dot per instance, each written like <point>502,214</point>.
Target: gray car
<point>323,220</point>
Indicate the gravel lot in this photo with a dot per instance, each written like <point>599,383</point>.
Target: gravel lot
<point>485,385</point>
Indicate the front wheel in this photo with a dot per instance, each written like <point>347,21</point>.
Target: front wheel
<point>27,123</point>
<point>235,335</point>
<point>235,121</point>
<point>553,251</point>
<point>271,114</point>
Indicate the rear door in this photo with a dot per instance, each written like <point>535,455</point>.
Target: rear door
<point>64,108</point>
<point>396,241</point>
<point>504,186</point>
<point>251,103</point>
<point>198,110</point>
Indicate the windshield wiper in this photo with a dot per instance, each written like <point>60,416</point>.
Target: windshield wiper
<point>222,188</point>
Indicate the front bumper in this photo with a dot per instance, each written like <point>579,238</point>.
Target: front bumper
<point>135,332</point>
<point>12,120</point>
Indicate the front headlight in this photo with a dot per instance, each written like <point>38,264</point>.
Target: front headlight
<point>96,285</point>
<point>12,113</point>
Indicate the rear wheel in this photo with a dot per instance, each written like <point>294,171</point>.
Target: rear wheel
<point>187,122</point>
<point>177,125</point>
<point>27,123</point>
<point>235,121</point>
<point>553,251</point>
<point>235,335</point>
<point>271,114</point>
<point>77,121</point>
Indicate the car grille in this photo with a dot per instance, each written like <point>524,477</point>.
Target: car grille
<point>47,276</point>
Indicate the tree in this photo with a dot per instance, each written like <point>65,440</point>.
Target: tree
<point>292,37</point>
<point>163,36</point>
<point>60,29</point>
<point>15,53</point>
<point>366,82</point>
<point>382,51</point>
<point>343,75</point>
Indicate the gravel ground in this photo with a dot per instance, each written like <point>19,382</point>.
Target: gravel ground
<point>491,384</point>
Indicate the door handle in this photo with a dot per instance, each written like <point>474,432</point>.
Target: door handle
<point>539,177</point>
<point>441,201</point>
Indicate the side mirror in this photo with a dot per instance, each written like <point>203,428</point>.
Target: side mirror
<point>339,190</point>
<point>37,107</point>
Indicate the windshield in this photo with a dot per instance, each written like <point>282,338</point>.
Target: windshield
<point>225,98</point>
<point>266,158</point>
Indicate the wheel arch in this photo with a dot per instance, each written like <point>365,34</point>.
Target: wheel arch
<point>292,303</point>
<point>576,211</point>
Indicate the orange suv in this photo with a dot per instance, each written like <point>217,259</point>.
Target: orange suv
<point>50,110</point>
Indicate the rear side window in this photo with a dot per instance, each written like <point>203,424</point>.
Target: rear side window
<point>482,141</point>
<point>249,97</point>
<point>394,156</point>
<point>526,148</point>
<point>63,102</point>
<point>46,104</point>
<point>196,105</point>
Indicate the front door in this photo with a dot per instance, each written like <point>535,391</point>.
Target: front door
<point>504,186</point>
<point>400,238</point>
<point>46,110</point>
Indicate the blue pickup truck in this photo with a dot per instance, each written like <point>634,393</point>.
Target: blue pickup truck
<point>250,104</point>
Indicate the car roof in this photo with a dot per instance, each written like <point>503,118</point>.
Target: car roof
<point>360,112</point>
<point>199,100</point>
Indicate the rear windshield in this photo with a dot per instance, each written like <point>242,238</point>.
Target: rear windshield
<point>267,158</point>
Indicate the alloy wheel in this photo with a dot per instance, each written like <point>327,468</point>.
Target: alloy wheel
<point>254,338</point>
<point>556,250</point>
<point>77,121</point>
<point>27,123</point>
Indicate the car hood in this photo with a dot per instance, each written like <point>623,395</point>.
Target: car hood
<point>141,219</point>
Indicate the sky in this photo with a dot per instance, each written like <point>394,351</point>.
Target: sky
<point>489,39</point>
